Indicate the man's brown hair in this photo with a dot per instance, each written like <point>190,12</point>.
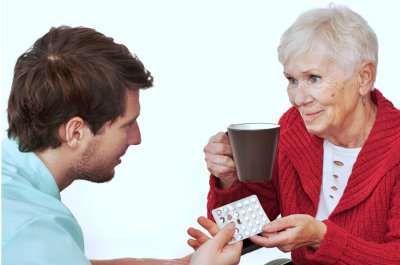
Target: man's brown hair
<point>70,72</point>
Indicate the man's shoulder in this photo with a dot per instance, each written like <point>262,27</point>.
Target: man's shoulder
<point>25,208</point>
<point>39,230</point>
<point>48,238</point>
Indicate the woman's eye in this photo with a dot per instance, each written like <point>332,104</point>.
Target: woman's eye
<point>315,78</point>
<point>292,81</point>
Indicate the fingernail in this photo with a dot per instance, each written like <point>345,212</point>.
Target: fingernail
<point>266,227</point>
<point>231,226</point>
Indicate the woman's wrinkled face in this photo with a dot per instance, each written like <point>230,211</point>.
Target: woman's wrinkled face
<point>326,99</point>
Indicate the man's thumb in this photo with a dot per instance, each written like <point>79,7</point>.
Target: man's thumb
<point>225,235</point>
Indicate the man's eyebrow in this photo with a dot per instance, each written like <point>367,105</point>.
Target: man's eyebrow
<point>131,121</point>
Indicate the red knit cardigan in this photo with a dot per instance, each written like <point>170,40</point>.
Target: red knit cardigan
<point>364,228</point>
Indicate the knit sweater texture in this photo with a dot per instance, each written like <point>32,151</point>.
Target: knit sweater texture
<point>364,228</point>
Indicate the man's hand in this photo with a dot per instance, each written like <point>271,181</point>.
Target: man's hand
<point>218,156</point>
<point>292,232</point>
<point>199,237</point>
<point>132,261</point>
<point>214,251</point>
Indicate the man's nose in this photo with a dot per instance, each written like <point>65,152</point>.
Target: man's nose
<point>134,137</point>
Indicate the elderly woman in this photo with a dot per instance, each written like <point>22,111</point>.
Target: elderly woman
<point>336,181</point>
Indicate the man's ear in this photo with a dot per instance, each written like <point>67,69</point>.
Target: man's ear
<point>366,77</point>
<point>73,131</point>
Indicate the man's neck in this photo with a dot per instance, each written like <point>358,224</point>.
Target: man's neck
<point>57,163</point>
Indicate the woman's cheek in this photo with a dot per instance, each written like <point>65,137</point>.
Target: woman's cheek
<point>291,95</point>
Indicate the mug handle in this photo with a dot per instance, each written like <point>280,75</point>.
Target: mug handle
<point>226,132</point>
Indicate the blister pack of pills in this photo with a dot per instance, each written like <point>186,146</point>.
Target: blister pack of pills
<point>247,214</point>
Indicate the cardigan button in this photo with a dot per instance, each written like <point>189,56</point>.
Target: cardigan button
<point>338,163</point>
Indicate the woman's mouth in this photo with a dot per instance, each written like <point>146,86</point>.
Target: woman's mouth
<point>311,116</point>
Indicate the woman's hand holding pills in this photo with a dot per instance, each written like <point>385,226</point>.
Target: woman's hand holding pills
<point>292,232</point>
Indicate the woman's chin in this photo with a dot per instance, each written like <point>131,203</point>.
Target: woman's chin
<point>316,130</point>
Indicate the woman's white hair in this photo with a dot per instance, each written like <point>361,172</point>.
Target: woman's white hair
<point>343,35</point>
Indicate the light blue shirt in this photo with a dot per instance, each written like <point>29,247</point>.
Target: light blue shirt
<point>37,228</point>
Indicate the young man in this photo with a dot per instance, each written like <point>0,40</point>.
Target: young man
<point>72,114</point>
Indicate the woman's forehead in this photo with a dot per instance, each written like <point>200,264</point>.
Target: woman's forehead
<point>314,60</point>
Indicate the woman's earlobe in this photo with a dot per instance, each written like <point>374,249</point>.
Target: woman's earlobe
<point>367,77</point>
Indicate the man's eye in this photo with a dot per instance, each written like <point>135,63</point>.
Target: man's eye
<point>292,81</point>
<point>315,78</point>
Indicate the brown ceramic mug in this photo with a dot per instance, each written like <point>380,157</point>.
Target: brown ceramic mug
<point>254,148</point>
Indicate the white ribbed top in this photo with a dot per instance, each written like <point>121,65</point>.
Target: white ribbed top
<point>337,167</point>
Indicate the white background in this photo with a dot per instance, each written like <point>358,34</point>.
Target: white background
<point>214,63</point>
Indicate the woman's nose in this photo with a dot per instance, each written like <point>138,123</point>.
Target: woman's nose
<point>303,96</point>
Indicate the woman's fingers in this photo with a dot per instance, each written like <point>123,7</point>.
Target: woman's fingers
<point>221,160</point>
